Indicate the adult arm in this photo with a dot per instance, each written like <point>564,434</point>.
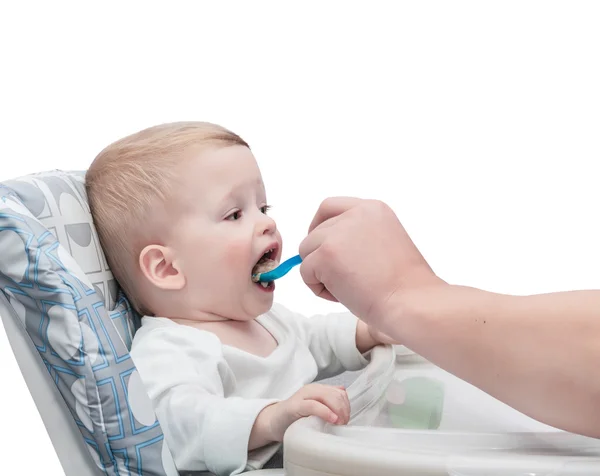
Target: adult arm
<point>539,354</point>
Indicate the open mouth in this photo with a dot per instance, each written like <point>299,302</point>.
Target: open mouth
<point>265,264</point>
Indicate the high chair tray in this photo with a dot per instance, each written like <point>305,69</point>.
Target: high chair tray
<point>409,417</point>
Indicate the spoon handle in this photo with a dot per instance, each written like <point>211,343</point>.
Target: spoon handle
<point>281,270</point>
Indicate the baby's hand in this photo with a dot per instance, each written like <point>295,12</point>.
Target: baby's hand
<point>380,337</point>
<point>368,337</point>
<point>329,403</point>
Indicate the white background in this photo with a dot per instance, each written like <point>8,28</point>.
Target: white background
<point>478,122</point>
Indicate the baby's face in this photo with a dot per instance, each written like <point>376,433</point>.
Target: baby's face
<point>221,231</point>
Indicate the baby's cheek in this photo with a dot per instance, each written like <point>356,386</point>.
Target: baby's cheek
<point>237,254</point>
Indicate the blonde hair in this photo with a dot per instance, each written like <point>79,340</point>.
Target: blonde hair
<point>132,176</point>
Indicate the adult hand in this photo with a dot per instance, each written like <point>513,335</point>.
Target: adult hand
<point>358,253</point>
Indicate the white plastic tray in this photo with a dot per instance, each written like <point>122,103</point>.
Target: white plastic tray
<point>409,417</point>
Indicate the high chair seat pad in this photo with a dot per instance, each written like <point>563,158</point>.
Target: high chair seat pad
<point>54,275</point>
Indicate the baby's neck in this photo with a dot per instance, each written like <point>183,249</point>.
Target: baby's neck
<point>249,336</point>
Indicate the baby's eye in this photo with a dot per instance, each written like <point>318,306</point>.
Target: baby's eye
<point>265,209</point>
<point>234,216</point>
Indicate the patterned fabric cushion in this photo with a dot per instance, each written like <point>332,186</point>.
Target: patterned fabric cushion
<point>54,274</point>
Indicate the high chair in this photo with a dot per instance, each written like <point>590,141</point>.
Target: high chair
<point>71,327</point>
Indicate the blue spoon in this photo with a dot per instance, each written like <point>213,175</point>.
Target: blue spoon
<point>278,272</point>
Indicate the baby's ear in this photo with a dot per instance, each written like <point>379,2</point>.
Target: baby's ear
<point>160,268</point>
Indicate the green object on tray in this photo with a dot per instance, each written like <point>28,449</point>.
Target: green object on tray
<point>416,403</point>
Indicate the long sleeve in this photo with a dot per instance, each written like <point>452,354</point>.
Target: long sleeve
<point>331,339</point>
<point>187,379</point>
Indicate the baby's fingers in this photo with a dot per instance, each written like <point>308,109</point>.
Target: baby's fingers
<point>313,408</point>
<point>347,405</point>
<point>337,401</point>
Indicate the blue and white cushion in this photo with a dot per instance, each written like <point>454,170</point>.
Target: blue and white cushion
<point>55,276</point>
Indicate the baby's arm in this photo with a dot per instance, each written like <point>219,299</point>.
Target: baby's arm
<point>186,376</point>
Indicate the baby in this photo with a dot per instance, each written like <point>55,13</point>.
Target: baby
<point>181,212</point>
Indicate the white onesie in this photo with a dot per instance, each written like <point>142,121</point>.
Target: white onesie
<point>207,395</point>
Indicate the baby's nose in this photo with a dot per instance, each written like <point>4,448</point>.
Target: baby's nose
<point>267,226</point>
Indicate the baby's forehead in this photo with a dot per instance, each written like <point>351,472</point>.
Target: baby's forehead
<point>233,167</point>
<point>217,181</point>
<point>234,186</point>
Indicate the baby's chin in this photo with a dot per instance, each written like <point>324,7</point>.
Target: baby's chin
<point>256,309</point>
<point>246,308</point>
